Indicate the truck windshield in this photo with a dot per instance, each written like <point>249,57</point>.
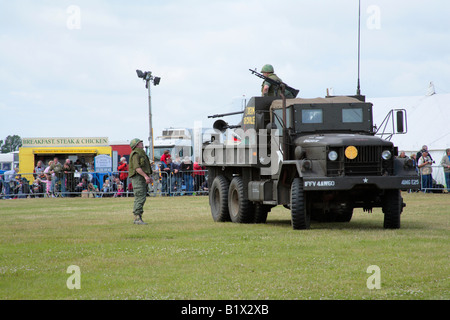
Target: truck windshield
<point>352,115</point>
<point>312,116</point>
<point>158,152</point>
<point>175,151</point>
<point>332,117</point>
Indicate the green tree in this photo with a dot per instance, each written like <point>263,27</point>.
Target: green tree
<point>11,143</point>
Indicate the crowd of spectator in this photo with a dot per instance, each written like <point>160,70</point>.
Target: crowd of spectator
<point>171,177</point>
<point>423,162</point>
<point>58,179</point>
<point>181,177</point>
<point>68,179</point>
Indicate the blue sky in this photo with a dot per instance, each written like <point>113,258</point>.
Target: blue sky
<point>67,68</point>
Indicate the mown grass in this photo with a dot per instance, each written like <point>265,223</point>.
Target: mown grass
<point>183,254</point>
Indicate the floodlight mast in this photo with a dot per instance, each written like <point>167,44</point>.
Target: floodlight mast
<point>150,133</point>
<point>148,78</point>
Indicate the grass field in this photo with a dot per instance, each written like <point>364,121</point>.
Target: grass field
<point>183,254</point>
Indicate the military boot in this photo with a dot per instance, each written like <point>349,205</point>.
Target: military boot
<point>138,219</point>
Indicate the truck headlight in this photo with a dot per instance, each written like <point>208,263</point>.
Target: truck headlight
<point>332,155</point>
<point>386,155</point>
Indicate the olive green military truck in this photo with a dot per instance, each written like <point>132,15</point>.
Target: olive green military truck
<point>320,158</point>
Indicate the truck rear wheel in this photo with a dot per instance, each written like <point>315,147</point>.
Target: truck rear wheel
<point>239,206</point>
<point>218,199</point>
<point>392,208</point>
<point>300,216</point>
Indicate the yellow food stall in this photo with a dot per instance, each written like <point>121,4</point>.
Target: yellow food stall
<point>83,149</point>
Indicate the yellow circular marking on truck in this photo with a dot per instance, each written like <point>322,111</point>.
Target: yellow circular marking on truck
<point>351,152</point>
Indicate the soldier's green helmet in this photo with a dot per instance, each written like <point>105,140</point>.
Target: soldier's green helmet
<point>134,143</point>
<point>267,68</point>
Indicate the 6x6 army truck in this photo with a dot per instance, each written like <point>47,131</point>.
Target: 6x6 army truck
<point>320,158</point>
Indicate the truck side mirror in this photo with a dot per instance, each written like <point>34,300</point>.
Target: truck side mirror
<point>400,121</point>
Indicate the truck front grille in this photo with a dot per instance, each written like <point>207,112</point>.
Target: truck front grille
<point>368,162</point>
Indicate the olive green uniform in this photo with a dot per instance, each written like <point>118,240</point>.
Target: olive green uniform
<point>138,159</point>
<point>273,89</point>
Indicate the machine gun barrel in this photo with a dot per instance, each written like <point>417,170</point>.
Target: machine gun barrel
<point>293,91</point>
<point>225,114</point>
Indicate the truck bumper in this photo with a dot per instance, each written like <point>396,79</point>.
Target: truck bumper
<point>347,183</point>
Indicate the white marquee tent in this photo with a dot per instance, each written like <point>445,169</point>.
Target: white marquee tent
<point>428,123</point>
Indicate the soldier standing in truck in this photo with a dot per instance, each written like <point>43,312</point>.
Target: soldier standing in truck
<point>271,88</point>
<point>268,89</point>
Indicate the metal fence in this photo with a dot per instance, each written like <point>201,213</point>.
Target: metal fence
<point>100,184</point>
<point>108,184</point>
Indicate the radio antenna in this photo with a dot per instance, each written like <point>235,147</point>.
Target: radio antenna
<point>358,89</point>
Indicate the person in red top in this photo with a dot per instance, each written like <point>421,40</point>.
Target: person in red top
<point>199,176</point>
<point>166,155</point>
<point>123,169</point>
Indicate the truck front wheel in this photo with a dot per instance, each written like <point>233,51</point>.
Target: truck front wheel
<point>300,216</point>
<point>392,208</point>
<point>218,199</point>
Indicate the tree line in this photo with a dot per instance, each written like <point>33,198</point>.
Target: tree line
<point>10,144</point>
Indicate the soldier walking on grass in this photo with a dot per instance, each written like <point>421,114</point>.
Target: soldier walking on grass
<point>139,171</point>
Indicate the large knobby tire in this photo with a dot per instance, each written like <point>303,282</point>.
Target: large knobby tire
<point>240,208</point>
<point>261,211</point>
<point>218,199</point>
<point>300,217</point>
<point>392,208</point>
